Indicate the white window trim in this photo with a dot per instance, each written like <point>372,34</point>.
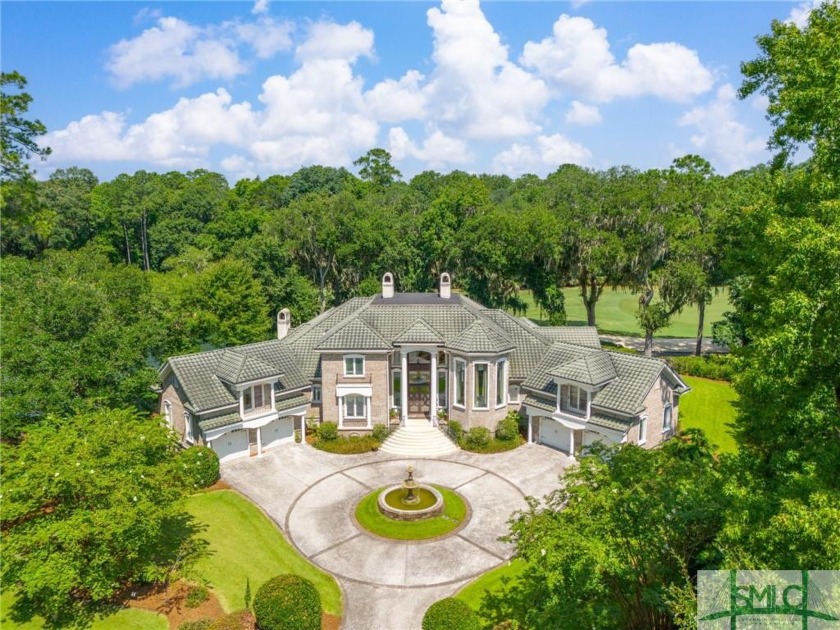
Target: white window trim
<point>475,384</point>
<point>316,394</point>
<point>396,394</point>
<point>573,410</point>
<point>188,428</point>
<point>670,426</point>
<point>455,403</point>
<point>364,407</point>
<point>167,413</point>
<point>443,395</point>
<point>501,364</point>
<point>268,405</point>
<point>642,423</point>
<point>354,357</point>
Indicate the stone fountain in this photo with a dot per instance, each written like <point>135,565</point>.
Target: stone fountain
<point>410,500</point>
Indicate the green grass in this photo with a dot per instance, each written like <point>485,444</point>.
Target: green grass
<point>494,581</point>
<point>246,545</point>
<point>369,517</point>
<point>615,313</point>
<point>124,619</point>
<point>710,406</point>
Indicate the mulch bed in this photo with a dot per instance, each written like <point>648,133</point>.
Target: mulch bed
<point>169,601</point>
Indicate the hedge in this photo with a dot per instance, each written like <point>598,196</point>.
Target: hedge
<point>718,367</point>
<point>288,602</point>
<point>450,614</point>
<point>199,466</point>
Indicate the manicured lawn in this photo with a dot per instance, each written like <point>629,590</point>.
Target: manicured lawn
<point>125,619</point>
<point>369,517</point>
<point>616,313</point>
<point>709,406</point>
<point>246,545</point>
<point>491,582</point>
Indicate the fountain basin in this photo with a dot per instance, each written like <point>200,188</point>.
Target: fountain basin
<point>429,503</point>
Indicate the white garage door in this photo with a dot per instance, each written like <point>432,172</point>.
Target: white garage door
<point>276,431</point>
<point>554,434</point>
<point>231,445</point>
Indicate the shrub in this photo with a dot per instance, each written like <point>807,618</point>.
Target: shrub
<point>233,621</point>
<point>380,432</point>
<point>457,429</point>
<point>348,446</point>
<point>328,431</point>
<point>507,624</point>
<point>196,624</point>
<point>508,429</point>
<point>200,466</point>
<point>196,595</point>
<point>450,614</point>
<point>478,437</point>
<point>288,602</point>
<point>719,367</point>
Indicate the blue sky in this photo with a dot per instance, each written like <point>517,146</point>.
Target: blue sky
<point>256,88</point>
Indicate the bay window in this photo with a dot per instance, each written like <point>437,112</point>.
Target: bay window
<point>501,383</point>
<point>460,382</point>
<point>480,385</point>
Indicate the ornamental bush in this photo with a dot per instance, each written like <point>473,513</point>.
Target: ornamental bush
<point>457,429</point>
<point>450,614</point>
<point>380,432</point>
<point>508,429</point>
<point>478,437</point>
<point>328,431</point>
<point>199,467</point>
<point>288,602</point>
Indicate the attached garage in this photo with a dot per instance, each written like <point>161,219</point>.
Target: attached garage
<point>231,445</point>
<point>278,431</point>
<point>554,434</point>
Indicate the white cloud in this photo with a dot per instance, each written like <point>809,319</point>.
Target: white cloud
<point>394,101</point>
<point>438,150</point>
<point>328,40</point>
<point>546,155</point>
<point>720,136</point>
<point>582,114</point>
<point>799,15</point>
<point>475,88</point>
<point>173,49</point>
<point>260,7</point>
<point>760,102</point>
<point>577,58</point>
<point>266,36</point>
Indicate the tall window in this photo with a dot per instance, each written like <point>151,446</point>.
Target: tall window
<point>573,399</point>
<point>354,365</point>
<point>354,406</point>
<point>316,393</point>
<point>256,398</point>
<point>396,388</point>
<point>642,430</point>
<point>188,428</point>
<point>460,382</point>
<point>480,397</point>
<point>667,419</point>
<point>167,413</point>
<point>441,389</point>
<point>501,382</point>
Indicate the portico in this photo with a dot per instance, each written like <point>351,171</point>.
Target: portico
<point>421,383</point>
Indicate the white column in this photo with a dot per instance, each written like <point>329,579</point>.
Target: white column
<point>302,429</point>
<point>530,430</point>
<point>571,442</point>
<point>404,385</point>
<point>367,410</point>
<point>433,389</point>
<point>259,441</point>
<point>340,412</point>
<point>273,404</point>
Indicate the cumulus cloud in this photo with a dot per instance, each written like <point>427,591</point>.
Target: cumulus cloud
<point>799,15</point>
<point>260,7</point>
<point>266,36</point>
<point>582,114</point>
<point>438,150</point>
<point>328,40</point>
<point>544,156</point>
<point>720,136</point>
<point>577,58</point>
<point>394,101</point>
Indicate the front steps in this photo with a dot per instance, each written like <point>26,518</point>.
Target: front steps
<point>418,439</point>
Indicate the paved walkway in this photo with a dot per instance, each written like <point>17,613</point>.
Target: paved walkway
<point>665,345</point>
<point>388,585</point>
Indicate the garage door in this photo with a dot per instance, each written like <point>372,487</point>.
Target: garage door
<point>554,434</point>
<point>277,431</point>
<point>231,445</point>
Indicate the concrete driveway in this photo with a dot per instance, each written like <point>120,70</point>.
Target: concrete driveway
<point>388,585</point>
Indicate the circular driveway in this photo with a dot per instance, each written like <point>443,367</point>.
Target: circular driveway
<point>389,584</point>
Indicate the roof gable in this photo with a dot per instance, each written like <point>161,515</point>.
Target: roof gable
<point>355,334</point>
<point>592,369</point>
<point>236,368</point>
<point>419,332</point>
<point>481,337</point>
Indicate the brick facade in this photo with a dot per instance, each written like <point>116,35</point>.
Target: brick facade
<point>376,374</point>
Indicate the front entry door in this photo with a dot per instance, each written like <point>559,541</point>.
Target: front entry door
<point>419,388</point>
<point>252,442</point>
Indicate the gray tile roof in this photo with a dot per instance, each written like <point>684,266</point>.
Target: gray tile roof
<point>219,421</point>
<point>236,368</point>
<point>578,335</point>
<point>482,337</point>
<point>591,369</point>
<point>290,403</point>
<point>354,334</point>
<point>635,377</point>
<point>540,403</point>
<point>419,332</point>
<point>610,422</point>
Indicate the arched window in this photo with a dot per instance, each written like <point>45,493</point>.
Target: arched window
<point>167,413</point>
<point>667,419</point>
<point>354,406</point>
<point>188,428</point>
